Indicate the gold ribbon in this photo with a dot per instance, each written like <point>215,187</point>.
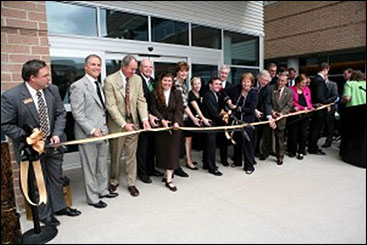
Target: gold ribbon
<point>123,134</point>
<point>38,144</point>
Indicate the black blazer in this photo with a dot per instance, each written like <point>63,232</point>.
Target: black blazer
<point>147,93</point>
<point>224,94</point>
<point>319,91</point>
<point>246,111</point>
<point>173,112</point>
<point>211,108</point>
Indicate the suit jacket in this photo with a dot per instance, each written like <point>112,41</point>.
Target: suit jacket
<point>173,112</point>
<point>115,101</point>
<point>86,108</point>
<point>319,91</point>
<point>18,109</point>
<point>224,94</point>
<point>211,108</point>
<point>284,105</point>
<point>264,104</point>
<point>147,93</point>
<point>246,111</point>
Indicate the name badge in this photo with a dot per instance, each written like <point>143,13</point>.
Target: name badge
<point>26,101</point>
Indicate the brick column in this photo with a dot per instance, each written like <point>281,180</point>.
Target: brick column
<point>23,37</point>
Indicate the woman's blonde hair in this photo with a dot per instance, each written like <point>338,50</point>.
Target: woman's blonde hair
<point>194,79</point>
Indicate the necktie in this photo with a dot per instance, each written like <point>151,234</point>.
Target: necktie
<point>127,98</point>
<point>150,85</point>
<point>43,115</point>
<point>100,94</point>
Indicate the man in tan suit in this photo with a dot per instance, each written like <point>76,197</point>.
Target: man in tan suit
<point>125,103</point>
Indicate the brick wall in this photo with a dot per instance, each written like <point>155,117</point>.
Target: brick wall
<point>23,37</point>
<point>295,28</point>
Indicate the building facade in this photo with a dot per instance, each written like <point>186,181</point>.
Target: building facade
<point>302,34</point>
<point>204,34</point>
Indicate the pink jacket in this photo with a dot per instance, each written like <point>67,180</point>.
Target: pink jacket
<point>306,92</point>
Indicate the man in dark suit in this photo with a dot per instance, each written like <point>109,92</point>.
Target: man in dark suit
<point>223,98</point>
<point>145,151</point>
<point>211,110</point>
<point>36,103</point>
<point>319,93</point>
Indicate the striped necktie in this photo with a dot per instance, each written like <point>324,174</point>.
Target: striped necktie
<point>127,99</point>
<point>45,128</point>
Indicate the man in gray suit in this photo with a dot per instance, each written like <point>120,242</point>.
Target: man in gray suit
<point>89,111</point>
<point>35,103</point>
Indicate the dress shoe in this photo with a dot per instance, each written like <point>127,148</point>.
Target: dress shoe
<point>179,171</point>
<point>133,191</point>
<point>156,173</point>
<point>170,186</point>
<point>50,221</point>
<point>100,204</point>
<point>262,158</point>
<point>192,168</point>
<point>291,155</point>
<point>317,152</point>
<point>216,172</point>
<point>109,195</point>
<point>300,156</point>
<point>326,145</point>
<point>68,212</point>
<point>279,160</point>
<point>249,172</point>
<point>145,179</point>
<point>225,164</point>
<point>112,188</point>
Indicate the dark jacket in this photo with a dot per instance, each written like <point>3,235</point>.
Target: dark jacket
<point>211,108</point>
<point>244,111</point>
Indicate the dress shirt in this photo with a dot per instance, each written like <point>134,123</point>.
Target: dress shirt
<point>92,80</point>
<point>166,95</point>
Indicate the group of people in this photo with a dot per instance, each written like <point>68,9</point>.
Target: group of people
<point>131,100</point>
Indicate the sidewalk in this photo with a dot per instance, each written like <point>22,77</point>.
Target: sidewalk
<point>317,200</point>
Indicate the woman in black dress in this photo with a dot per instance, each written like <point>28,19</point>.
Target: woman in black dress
<point>167,106</point>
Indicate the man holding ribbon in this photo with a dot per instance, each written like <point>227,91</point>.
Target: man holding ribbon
<point>125,104</point>
<point>36,103</point>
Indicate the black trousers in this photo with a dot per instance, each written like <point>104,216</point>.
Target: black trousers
<point>317,122</point>
<point>145,154</point>
<point>209,151</point>
<point>244,149</point>
<point>223,147</point>
<point>297,134</point>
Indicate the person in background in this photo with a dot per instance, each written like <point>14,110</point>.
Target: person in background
<point>223,101</point>
<point>145,155</point>
<point>37,104</point>
<point>87,103</point>
<point>272,69</point>
<point>245,99</point>
<point>194,105</point>
<point>298,125</point>
<point>126,105</point>
<point>291,77</point>
<point>166,105</point>
<point>330,116</point>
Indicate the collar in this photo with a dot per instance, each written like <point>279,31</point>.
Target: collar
<point>32,91</point>
<point>91,79</point>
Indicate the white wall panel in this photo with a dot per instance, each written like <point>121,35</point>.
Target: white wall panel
<point>241,16</point>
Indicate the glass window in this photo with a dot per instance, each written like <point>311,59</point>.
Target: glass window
<point>241,49</point>
<point>71,19</point>
<point>122,25</point>
<point>112,66</point>
<point>64,72</point>
<point>206,37</point>
<point>169,31</point>
<point>205,72</point>
<point>236,73</point>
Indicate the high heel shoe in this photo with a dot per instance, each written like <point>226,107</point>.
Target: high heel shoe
<point>192,168</point>
<point>170,186</point>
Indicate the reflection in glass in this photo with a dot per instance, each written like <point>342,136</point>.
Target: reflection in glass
<point>71,19</point>
<point>64,72</point>
<point>236,73</point>
<point>206,37</point>
<point>122,25</point>
<point>169,31</point>
<point>112,66</point>
<point>240,49</point>
<point>205,72</point>
<point>161,68</point>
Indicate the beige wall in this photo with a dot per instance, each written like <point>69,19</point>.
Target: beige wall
<point>294,28</point>
<point>23,37</point>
